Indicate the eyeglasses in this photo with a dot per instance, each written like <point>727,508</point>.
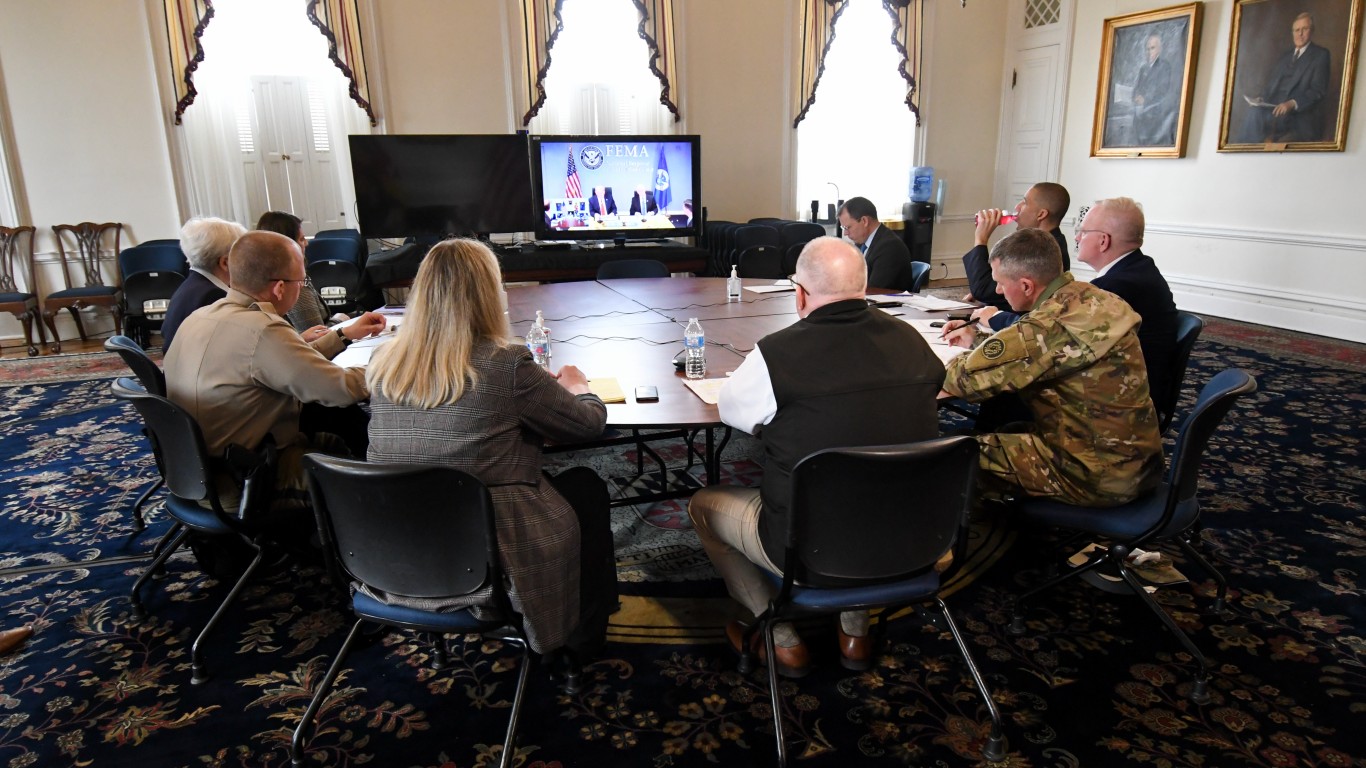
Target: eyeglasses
<point>793,279</point>
<point>288,280</point>
<point>1084,232</point>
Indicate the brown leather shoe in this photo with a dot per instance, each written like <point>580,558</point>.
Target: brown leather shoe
<point>792,662</point>
<point>13,638</point>
<point>856,653</point>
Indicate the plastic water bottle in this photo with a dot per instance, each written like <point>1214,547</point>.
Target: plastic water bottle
<point>922,181</point>
<point>733,285</point>
<point>1006,218</point>
<point>696,343</point>
<point>538,341</point>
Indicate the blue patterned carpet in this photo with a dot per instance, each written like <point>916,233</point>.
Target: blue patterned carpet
<point>1095,681</point>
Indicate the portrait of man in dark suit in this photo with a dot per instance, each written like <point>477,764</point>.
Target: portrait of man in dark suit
<point>1155,97</point>
<point>1289,86</point>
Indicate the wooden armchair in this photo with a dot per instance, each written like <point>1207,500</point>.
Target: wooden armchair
<point>88,237</point>
<point>16,254</point>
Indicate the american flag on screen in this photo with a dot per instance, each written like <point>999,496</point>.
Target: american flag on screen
<point>571,181</point>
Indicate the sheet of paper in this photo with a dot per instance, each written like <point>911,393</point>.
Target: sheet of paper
<point>707,389</point>
<point>928,303</point>
<point>607,389</point>
<point>781,285</point>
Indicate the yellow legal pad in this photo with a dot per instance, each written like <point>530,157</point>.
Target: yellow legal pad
<point>607,389</point>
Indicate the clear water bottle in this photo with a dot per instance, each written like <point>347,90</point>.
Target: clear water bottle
<point>696,343</point>
<point>538,341</point>
<point>733,286</point>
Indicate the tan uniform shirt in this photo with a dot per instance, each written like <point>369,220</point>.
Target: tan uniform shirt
<point>242,371</point>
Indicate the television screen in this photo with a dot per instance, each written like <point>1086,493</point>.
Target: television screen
<point>439,185</point>
<point>607,187</point>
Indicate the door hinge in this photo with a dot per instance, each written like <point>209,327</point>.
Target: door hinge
<point>1014,75</point>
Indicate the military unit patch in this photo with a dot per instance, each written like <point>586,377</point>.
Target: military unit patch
<point>993,349</point>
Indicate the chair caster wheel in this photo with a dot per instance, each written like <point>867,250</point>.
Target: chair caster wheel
<point>995,748</point>
<point>573,683</point>
<point>1200,690</point>
<point>745,664</point>
<point>1017,625</point>
<point>198,676</point>
<point>138,613</point>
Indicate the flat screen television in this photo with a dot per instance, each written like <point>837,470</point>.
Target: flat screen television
<point>616,187</point>
<point>435,185</point>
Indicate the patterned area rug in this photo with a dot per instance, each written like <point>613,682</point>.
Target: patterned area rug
<point>1094,681</point>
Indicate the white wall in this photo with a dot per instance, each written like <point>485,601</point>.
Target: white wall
<point>87,127</point>
<point>1276,239</point>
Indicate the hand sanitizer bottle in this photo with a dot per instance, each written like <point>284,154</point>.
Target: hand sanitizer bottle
<point>733,285</point>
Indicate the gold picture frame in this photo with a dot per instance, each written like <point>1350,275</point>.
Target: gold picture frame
<point>1147,75</point>
<point>1267,81</point>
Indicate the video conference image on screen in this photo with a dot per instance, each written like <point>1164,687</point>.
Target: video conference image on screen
<point>598,184</point>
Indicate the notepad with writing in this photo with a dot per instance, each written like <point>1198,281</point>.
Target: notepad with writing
<point>607,389</point>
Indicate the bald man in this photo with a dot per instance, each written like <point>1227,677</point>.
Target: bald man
<point>844,374</point>
<point>1043,207</point>
<point>243,372</point>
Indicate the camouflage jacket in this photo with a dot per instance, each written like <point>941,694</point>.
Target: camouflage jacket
<point>1076,363</point>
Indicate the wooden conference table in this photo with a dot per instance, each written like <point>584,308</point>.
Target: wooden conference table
<point>631,330</point>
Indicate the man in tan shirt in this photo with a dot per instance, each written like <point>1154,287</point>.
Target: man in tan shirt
<point>242,370</point>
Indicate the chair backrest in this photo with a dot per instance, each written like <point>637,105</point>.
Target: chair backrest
<point>159,257</point>
<point>176,439</point>
<point>612,270</point>
<point>333,274</point>
<point>141,287</point>
<point>16,254</point>
<point>879,514</point>
<point>1188,328</point>
<point>89,238</point>
<point>415,530</point>
<point>798,233</point>
<point>746,235</point>
<point>771,221</point>
<point>1214,403</point>
<point>920,276</point>
<point>149,374</point>
<point>350,235</point>
<point>332,249</point>
<point>761,261</point>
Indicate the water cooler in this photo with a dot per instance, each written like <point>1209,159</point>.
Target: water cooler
<point>918,231</point>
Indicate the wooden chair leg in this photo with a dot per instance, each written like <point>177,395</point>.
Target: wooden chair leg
<point>49,318</point>
<point>76,316</point>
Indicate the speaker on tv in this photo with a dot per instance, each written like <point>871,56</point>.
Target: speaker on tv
<point>918,231</point>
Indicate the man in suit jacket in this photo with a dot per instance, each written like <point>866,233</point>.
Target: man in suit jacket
<point>206,242</point>
<point>1110,241</point>
<point>1296,88</point>
<point>601,203</point>
<point>1043,207</point>
<point>888,258</point>
<point>1155,99</point>
<point>643,201</point>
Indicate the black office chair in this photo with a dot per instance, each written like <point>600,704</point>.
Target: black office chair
<point>1171,512</point>
<point>792,233</point>
<point>153,380</point>
<point>623,268</point>
<point>761,261</point>
<point>1188,328</point>
<point>337,282</point>
<point>790,257</point>
<point>745,236</point>
<point>151,275</point>
<point>866,529</point>
<point>420,531</point>
<point>192,477</point>
<point>920,276</point>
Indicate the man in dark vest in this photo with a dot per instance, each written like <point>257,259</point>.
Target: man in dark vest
<point>845,374</point>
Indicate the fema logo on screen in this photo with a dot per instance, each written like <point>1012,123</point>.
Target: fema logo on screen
<point>591,157</point>
<point>661,178</point>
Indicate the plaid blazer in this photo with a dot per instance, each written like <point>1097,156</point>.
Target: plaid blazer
<point>495,432</point>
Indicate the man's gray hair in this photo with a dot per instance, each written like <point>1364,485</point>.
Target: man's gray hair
<point>207,239</point>
<point>1029,253</point>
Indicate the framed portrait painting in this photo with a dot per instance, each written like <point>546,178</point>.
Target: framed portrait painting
<point>1147,68</point>
<point>1291,66</point>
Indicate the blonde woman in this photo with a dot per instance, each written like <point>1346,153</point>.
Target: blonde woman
<point>452,389</point>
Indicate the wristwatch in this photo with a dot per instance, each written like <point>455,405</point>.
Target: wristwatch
<point>345,341</point>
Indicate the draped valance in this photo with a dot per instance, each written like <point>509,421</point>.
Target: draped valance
<point>818,31</point>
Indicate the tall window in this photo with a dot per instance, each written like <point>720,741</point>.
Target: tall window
<point>599,79</point>
<point>859,135</point>
<point>268,129</point>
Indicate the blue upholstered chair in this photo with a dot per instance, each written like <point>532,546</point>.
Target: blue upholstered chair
<point>1169,513</point>
<point>192,477</point>
<point>420,531</point>
<point>867,527</point>
<point>920,276</point>
<point>1188,328</point>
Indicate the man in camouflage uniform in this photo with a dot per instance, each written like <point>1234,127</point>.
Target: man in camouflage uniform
<point>1076,363</point>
